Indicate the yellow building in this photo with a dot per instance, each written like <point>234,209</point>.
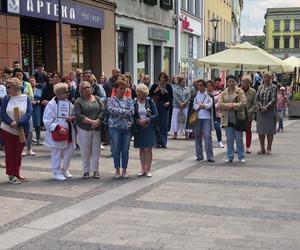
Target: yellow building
<point>221,10</point>
<point>282,29</point>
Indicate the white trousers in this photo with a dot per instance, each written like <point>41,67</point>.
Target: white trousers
<point>57,154</point>
<point>90,143</point>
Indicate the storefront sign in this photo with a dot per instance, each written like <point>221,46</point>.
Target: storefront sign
<point>190,46</point>
<point>73,13</point>
<point>186,25</point>
<point>158,34</point>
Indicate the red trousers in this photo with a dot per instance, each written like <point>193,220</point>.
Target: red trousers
<point>13,153</point>
<point>248,135</point>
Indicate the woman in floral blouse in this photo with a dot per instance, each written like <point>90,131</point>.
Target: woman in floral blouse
<point>120,121</point>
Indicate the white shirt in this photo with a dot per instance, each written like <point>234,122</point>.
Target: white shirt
<point>203,98</point>
<point>142,110</point>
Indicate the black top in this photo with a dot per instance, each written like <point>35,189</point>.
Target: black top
<point>108,86</point>
<point>160,97</point>
<point>48,93</point>
<point>41,77</point>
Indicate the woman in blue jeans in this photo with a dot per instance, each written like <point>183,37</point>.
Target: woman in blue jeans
<point>232,103</point>
<point>120,121</point>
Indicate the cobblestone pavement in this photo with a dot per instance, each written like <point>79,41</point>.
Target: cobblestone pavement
<point>185,205</point>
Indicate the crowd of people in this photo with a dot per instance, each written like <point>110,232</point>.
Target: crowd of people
<point>78,111</point>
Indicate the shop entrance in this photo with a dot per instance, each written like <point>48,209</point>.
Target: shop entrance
<point>32,42</point>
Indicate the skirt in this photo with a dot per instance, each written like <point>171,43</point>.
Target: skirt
<point>144,137</point>
<point>175,125</point>
<point>266,122</point>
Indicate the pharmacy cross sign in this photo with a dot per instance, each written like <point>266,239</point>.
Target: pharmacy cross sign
<point>73,13</point>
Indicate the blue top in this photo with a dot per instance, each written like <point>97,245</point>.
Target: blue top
<point>24,120</point>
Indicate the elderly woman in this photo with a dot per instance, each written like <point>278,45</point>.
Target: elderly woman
<point>60,135</point>
<point>203,105</point>
<point>89,113</point>
<point>266,113</point>
<point>120,122</point>
<point>9,128</point>
<point>232,103</point>
<point>162,94</point>
<point>181,99</point>
<point>145,114</point>
<point>250,94</point>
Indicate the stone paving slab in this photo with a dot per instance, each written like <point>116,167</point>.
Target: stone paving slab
<point>228,196</point>
<point>15,208</point>
<point>157,229</point>
<point>248,174</point>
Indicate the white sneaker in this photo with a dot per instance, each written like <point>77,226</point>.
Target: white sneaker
<point>66,173</point>
<point>102,147</point>
<point>149,174</point>
<point>59,177</point>
<point>221,145</point>
<point>243,160</point>
<point>228,161</point>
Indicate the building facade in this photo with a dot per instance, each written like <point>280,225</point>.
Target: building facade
<point>145,32</point>
<point>236,13</point>
<point>282,29</point>
<point>221,10</point>
<point>191,37</point>
<point>29,33</point>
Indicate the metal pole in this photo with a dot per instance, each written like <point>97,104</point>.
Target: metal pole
<point>215,43</point>
<point>61,52</point>
<point>177,37</point>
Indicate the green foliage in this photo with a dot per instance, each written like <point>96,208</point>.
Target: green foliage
<point>296,96</point>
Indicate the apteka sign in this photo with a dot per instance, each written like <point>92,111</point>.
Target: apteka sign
<point>73,13</point>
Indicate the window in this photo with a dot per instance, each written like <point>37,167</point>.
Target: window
<point>183,4</point>
<point>276,42</point>
<point>190,6</point>
<point>276,25</point>
<point>286,25</point>
<point>150,2</point>
<point>166,4</point>
<point>286,42</point>
<point>142,59</point>
<point>198,8</point>
<point>167,60</point>
<point>297,25</point>
<point>296,42</point>
<point>77,47</point>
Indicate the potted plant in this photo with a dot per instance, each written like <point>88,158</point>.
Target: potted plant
<point>294,105</point>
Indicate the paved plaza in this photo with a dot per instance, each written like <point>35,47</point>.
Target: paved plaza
<point>185,205</point>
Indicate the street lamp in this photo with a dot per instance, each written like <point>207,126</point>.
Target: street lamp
<point>215,22</point>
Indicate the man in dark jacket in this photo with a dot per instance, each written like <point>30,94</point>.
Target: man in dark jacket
<point>108,86</point>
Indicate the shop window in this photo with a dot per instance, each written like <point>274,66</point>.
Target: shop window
<point>286,25</point>
<point>276,25</point>
<point>77,48</point>
<point>142,59</point>
<point>297,25</point>
<point>276,42</point>
<point>287,42</point>
<point>296,42</point>
<point>167,67</point>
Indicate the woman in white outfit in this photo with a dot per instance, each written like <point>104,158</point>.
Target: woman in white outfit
<point>89,113</point>
<point>181,99</point>
<point>60,134</point>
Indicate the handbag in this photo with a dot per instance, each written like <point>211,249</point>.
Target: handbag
<point>193,118</point>
<point>241,124</point>
<point>181,117</point>
<point>56,136</point>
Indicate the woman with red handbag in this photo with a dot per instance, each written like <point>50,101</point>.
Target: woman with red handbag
<point>60,135</point>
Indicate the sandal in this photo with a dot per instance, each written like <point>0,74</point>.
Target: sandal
<point>261,152</point>
<point>23,179</point>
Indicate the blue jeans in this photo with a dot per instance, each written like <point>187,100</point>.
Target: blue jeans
<point>281,116</point>
<point>203,130</point>
<point>120,140</point>
<point>232,134</point>
<point>218,129</point>
<point>163,123</point>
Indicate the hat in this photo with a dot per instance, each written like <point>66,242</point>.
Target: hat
<point>282,88</point>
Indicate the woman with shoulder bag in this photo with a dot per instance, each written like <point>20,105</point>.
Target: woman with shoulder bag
<point>232,104</point>
<point>203,105</point>
<point>145,114</point>
<point>89,113</point>
<point>60,134</point>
